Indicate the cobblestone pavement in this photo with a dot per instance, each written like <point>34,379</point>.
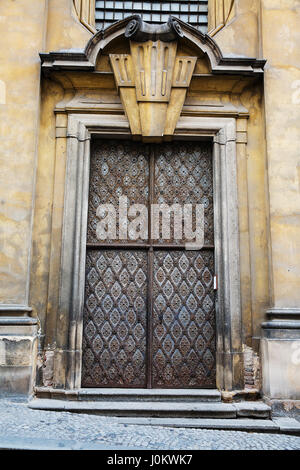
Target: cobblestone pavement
<point>23,427</point>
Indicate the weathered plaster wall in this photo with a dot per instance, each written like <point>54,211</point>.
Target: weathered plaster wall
<point>26,179</point>
<point>270,29</point>
<point>21,22</point>
<point>240,36</point>
<point>51,94</point>
<point>270,170</point>
<point>64,30</point>
<point>280,45</point>
<point>257,214</point>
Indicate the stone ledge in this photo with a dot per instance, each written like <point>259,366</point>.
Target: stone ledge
<point>281,325</point>
<point>284,330</point>
<point>14,309</point>
<point>284,312</point>
<point>119,394</point>
<point>17,321</point>
<point>248,425</point>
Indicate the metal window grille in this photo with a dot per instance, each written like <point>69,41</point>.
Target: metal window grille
<point>193,12</point>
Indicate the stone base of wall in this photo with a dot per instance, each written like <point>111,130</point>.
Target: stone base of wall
<point>18,342</point>
<point>280,347</point>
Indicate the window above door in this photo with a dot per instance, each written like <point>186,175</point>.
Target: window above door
<point>194,12</point>
<point>205,15</point>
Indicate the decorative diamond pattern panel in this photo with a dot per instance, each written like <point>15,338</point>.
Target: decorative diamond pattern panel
<point>117,169</point>
<point>180,348</point>
<point>114,325</point>
<point>184,175</point>
<point>183,320</point>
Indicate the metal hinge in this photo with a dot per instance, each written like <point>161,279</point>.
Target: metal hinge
<point>215,282</point>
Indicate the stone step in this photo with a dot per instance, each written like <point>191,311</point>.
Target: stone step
<point>149,395</point>
<point>276,425</point>
<point>157,409</point>
<point>238,424</point>
<point>134,394</point>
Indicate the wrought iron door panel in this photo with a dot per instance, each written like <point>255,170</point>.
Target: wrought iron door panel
<point>149,311</point>
<point>183,320</point>
<point>184,175</point>
<point>114,332</point>
<point>118,168</point>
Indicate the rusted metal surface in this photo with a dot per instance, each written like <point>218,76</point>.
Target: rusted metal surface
<point>118,168</point>
<point>114,334</point>
<point>184,175</point>
<point>149,315</point>
<point>183,320</point>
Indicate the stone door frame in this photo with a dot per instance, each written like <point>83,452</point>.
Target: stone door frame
<point>223,133</point>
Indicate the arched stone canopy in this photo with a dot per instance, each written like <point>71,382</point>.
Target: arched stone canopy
<point>86,60</point>
<point>153,66</point>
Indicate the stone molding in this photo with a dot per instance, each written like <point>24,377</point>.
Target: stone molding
<point>10,310</point>
<point>86,59</point>
<point>283,312</point>
<point>72,268</point>
<point>282,324</point>
<point>18,321</point>
<point>282,318</point>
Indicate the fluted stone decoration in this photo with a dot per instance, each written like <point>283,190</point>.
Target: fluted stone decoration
<point>152,80</point>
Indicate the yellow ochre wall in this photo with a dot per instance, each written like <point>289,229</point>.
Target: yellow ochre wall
<point>280,31</point>
<point>269,177</point>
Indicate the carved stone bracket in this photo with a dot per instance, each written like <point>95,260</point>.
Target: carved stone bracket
<point>152,82</point>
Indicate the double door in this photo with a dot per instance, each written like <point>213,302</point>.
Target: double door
<point>149,312</point>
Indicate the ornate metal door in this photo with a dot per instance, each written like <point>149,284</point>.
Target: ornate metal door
<point>149,313</point>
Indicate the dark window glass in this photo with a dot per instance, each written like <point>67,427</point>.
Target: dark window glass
<point>193,12</point>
